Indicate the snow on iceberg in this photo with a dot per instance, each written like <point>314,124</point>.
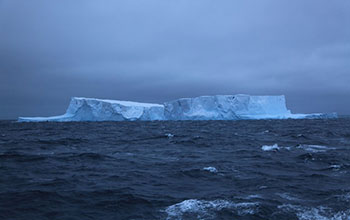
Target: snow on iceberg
<point>219,107</point>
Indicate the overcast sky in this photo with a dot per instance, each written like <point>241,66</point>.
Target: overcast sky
<point>158,50</point>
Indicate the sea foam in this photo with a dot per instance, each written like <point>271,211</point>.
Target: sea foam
<point>202,209</point>
<point>315,213</point>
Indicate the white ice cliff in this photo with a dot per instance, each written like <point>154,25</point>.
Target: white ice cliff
<point>219,107</point>
<point>226,107</point>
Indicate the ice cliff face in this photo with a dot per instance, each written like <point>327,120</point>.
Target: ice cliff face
<point>220,107</point>
<point>226,107</point>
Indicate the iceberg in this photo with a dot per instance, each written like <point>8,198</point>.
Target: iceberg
<point>219,107</point>
<point>226,107</point>
<point>233,107</point>
<point>89,109</point>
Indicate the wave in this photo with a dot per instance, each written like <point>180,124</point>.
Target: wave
<point>210,169</point>
<point>306,147</point>
<point>287,196</point>
<point>314,148</point>
<point>318,213</point>
<point>202,209</point>
<point>270,147</point>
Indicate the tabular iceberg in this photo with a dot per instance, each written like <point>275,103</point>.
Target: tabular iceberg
<point>226,107</point>
<point>88,109</point>
<point>219,107</point>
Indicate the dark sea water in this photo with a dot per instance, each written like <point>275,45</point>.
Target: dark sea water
<point>176,170</point>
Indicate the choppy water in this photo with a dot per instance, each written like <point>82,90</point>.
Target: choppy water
<point>274,169</point>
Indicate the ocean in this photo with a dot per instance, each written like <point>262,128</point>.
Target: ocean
<point>258,169</point>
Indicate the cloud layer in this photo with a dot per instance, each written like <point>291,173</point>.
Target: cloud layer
<point>156,50</point>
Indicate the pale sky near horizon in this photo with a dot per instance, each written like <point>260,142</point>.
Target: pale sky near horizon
<point>159,50</point>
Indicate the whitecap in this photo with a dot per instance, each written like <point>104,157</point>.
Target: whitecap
<point>265,132</point>
<point>314,148</point>
<point>255,196</point>
<point>335,166</point>
<point>318,213</point>
<point>202,209</point>
<point>287,196</point>
<point>210,169</point>
<point>345,197</point>
<point>169,135</point>
<point>274,147</point>
<point>288,148</point>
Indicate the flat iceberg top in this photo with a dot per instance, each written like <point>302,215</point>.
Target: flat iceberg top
<point>125,103</point>
<point>237,95</point>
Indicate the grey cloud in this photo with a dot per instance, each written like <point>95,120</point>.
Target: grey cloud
<point>159,50</point>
